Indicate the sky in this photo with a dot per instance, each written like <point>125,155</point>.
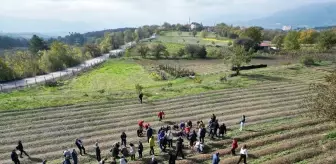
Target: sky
<point>52,16</point>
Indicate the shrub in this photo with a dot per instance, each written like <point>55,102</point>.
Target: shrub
<point>170,84</point>
<point>101,91</point>
<point>138,88</point>
<point>331,135</point>
<point>321,99</point>
<point>51,84</point>
<point>198,80</point>
<point>177,72</point>
<point>180,52</point>
<point>308,60</point>
<point>196,51</point>
<point>155,76</point>
<point>158,50</point>
<point>143,50</point>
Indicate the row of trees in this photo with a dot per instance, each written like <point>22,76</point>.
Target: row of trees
<point>323,41</point>
<point>41,59</point>
<point>158,50</point>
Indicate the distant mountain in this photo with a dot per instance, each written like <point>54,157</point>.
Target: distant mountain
<point>26,35</point>
<point>312,15</point>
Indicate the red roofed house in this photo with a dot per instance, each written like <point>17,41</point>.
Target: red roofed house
<point>265,45</point>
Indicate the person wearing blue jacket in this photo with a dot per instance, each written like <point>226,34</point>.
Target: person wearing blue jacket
<point>149,133</point>
<point>162,137</point>
<point>215,158</point>
<point>15,157</point>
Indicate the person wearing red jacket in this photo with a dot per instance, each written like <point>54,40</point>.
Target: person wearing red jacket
<point>234,146</point>
<point>161,115</point>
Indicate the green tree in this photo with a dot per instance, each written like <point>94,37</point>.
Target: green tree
<point>291,40</point>
<point>237,56</point>
<point>36,44</point>
<point>278,40</point>
<point>158,50</point>
<point>6,73</point>
<point>308,36</point>
<point>194,33</point>
<point>128,36</point>
<point>59,57</point>
<point>204,33</point>
<point>143,50</point>
<point>195,51</point>
<point>22,63</point>
<point>326,40</point>
<point>254,33</point>
<point>106,44</point>
<point>202,53</point>
<point>92,49</point>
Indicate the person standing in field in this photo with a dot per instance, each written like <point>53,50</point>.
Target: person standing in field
<point>213,118</point>
<point>98,152</point>
<point>216,126</point>
<point>140,97</point>
<point>243,154</point>
<point>212,129</point>
<point>151,145</point>
<point>202,134</point>
<point>123,138</point>
<point>192,138</point>
<point>149,133</point>
<point>140,150</point>
<point>169,137</point>
<point>162,138</point>
<point>15,157</point>
<point>215,158</point>
<point>80,146</point>
<point>179,147</point>
<point>234,146</point>
<point>189,123</point>
<point>242,123</point>
<point>20,148</point>
<point>132,151</point>
<point>172,158</point>
<point>74,156</point>
<point>222,130</point>
<point>161,115</point>
<point>67,157</point>
<point>115,150</point>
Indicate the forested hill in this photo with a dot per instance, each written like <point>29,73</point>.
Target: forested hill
<point>99,34</point>
<point>9,42</point>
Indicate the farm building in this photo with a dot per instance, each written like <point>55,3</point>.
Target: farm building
<point>265,45</point>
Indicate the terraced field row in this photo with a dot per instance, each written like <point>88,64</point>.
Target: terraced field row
<point>47,132</point>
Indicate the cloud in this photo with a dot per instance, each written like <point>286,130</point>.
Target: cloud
<point>116,13</point>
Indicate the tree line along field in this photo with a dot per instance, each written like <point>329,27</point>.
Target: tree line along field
<point>276,129</point>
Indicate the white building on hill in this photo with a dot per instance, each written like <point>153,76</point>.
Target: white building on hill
<point>287,28</point>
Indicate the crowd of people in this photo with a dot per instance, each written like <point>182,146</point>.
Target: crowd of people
<point>183,130</point>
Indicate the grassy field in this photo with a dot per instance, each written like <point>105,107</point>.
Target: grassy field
<point>276,131</point>
<point>117,78</point>
<point>102,103</point>
<point>186,38</point>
